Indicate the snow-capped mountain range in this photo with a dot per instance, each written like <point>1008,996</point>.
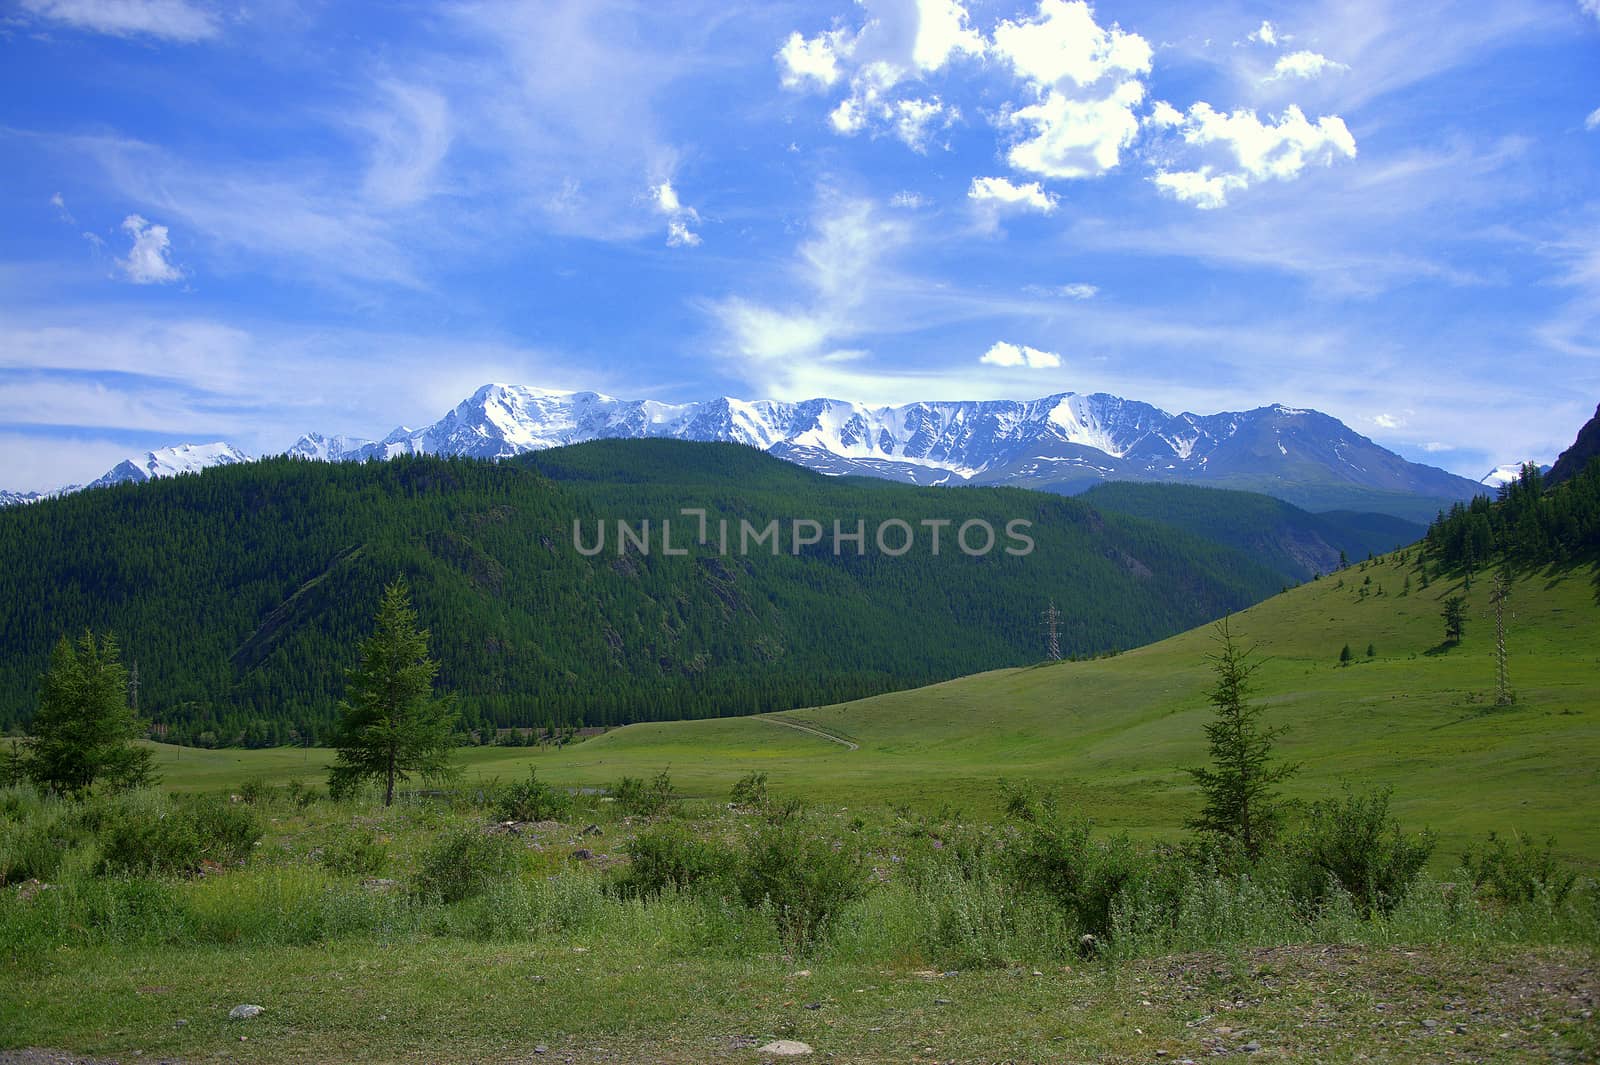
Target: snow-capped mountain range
<point>1065,442</point>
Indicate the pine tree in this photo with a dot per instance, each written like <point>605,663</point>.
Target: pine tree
<point>1372,650</point>
<point>1239,785</point>
<point>1454,618</point>
<point>391,725</point>
<point>84,729</point>
<point>1346,655</point>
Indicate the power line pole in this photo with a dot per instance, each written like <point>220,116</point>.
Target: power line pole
<point>1052,633</point>
<point>1503,695</point>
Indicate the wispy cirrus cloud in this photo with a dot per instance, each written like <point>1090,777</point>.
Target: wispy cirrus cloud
<point>173,20</point>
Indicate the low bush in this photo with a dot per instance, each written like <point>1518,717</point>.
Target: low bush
<point>147,833</point>
<point>463,863</point>
<point>532,799</point>
<point>1517,870</point>
<point>1057,856</point>
<point>804,877</point>
<point>671,855</point>
<point>640,798</point>
<point>749,792</point>
<point>357,852</point>
<point>1355,844</point>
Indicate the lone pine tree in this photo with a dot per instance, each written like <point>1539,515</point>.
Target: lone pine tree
<point>1454,614</point>
<point>390,724</point>
<point>1241,802</point>
<point>84,729</point>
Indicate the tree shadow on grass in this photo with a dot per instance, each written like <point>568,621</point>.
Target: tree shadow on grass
<point>1442,647</point>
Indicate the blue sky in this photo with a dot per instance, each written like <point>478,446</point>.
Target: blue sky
<point>243,221</point>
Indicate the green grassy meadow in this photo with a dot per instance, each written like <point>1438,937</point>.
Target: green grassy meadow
<point>1114,733</point>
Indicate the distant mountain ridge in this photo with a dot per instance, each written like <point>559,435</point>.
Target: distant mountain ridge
<point>1064,443</point>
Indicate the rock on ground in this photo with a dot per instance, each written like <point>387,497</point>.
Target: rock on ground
<point>785,1048</point>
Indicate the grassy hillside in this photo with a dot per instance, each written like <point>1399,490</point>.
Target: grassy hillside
<point>1114,732</point>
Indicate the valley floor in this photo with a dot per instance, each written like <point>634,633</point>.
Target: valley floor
<point>449,1001</point>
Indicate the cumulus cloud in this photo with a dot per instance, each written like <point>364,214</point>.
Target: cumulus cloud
<point>1006,354</point>
<point>1267,34</point>
<point>679,216</point>
<point>1239,149</point>
<point>1086,83</point>
<point>1001,192</point>
<point>900,42</point>
<point>1303,65</point>
<point>1593,121</point>
<point>1078,290</point>
<point>805,62</point>
<point>147,262</point>
<point>173,20</point>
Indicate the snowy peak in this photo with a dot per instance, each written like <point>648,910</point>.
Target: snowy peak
<point>1507,472</point>
<point>170,462</point>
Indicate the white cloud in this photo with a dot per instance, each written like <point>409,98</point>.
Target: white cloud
<point>1593,121</point>
<point>62,213</point>
<point>1267,34</point>
<point>900,41</point>
<point>1591,6</point>
<point>147,262</point>
<point>411,134</point>
<point>174,20</point>
<point>1303,65</point>
<point>1240,149</point>
<point>1433,447</point>
<point>1002,192</point>
<point>908,200</point>
<point>679,216</point>
<point>1086,83</point>
<point>804,61</point>
<point>680,236</point>
<point>1002,353</point>
<point>1388,421</point>
<point>1080,291</point>
<point>915,121</point>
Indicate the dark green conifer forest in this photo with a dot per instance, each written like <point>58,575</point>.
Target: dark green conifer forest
<point>241,594</point>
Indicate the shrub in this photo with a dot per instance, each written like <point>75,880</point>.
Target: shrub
<point>532,799</point>
<point>253,789</point>
<point>1058,857</point>
<point>749,792</point>
<point>1517,870</point>
<point>670,855</point>
<point>35,836</point>
<point>804,877</point>
<point>147,834</point>
<point>355,853</point>
<point>1356,844</point>
<point>637,798</point>
<point>463,863</point>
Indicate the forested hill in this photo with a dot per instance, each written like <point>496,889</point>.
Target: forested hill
<point>1532,523</point>
<point>241,592</point>
<point>1297,543</point>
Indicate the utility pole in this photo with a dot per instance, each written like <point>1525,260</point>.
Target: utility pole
<point>1052,633</point>
<point>1503,695</point>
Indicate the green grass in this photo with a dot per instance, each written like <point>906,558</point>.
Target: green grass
<point>449,1001</point>
<point>1113,733</point>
